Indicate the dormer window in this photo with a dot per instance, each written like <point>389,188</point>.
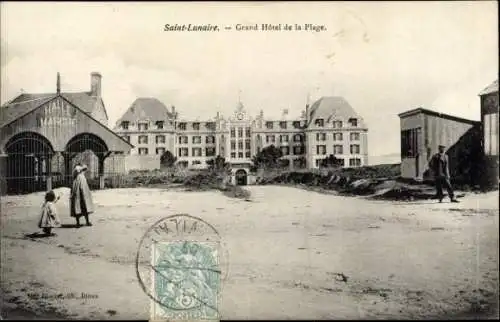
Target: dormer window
<point>296,124</point>
<point>319,122</point>
<point>353,122</point>
<point>337,124</point>
<point>125,125</point>
<point>142,126</point>
<point>269,125</point>
<point>196,126</point>
<point>159,125</point>
<point>283,125</point>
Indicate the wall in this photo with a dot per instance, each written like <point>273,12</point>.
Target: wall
<point>458,137</point>
<point>408,164</point>
<point>99,111</point>
<point>141,162</point>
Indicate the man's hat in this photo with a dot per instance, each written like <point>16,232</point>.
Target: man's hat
<point>441,146</point>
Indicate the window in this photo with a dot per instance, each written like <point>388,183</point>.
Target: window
<point>233,132</point>
<point>283,125</point>
<point>296,124</point>
<point>269,125</point>
<point>285,150</point>
<point>353,122</point>
<point>354,162</point>
<point>409,143</point>
<point>210,139</point>
<point>321,149</point>
<point>247,154</point>
<point>183,152</point>
<point>297,138</point>
<point>319,122</point>
<point>210,152</point>
<point>338,149</point>
<point>143,139</point>
<point>196,139</point>
<point>247,144</point>
<point>283,138</point>
<point>159,125</point>
<point>354,136</point>
<point>297,150</point>
<point>270,139</point>
<point>285,163</point>
<point>143,151</point>
<point>126,138</point>
<point>233,145</point>
<point>233,155</point>
<point>160,151</point>
<point>240,145</point>
<point>320,136</point>
<point>240,155</point>
<point>196,152</point>
<point>337,124</point>
<point>183,164</point>
<point>341,162</point>
<point>142,126</point>
<point>125,125</point>
<point>182,126</point>
<point>338,136</point>
<point>210,126</point>
<point>355,149</point>
<point>183,139</point>
<point>160,139</point>
<point>196,126</point>
<point>247,132</point>
<point>196,162</point>
<point>318,162</point>
<point>240,132</point>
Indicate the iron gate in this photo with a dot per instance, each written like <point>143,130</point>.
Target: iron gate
<point>31,162</point>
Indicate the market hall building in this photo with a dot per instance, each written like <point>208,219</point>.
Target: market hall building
<point>42,137</point>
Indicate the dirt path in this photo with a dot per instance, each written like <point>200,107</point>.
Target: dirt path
<point>294,254</point>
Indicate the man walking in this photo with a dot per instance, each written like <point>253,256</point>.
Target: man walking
<point>440,167</point>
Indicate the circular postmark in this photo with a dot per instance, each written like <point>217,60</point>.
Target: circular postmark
<point>181,264</point>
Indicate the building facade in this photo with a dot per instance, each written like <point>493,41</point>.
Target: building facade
<point>42,137</point>
<point>422,131</point>
<point>329,126</point>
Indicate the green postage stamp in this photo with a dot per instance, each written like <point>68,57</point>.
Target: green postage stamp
<point>186,281</point>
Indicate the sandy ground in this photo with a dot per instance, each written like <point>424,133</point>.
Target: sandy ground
<point>286,248</point>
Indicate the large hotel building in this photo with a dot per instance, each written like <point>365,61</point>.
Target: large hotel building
<point>328,126</point>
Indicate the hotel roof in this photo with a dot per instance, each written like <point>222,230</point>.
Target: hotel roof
<point>146,108</point>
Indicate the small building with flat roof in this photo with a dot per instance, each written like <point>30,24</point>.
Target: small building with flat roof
<point>423,130</point>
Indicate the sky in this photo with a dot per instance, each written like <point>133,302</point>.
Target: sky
<point>384,58</point>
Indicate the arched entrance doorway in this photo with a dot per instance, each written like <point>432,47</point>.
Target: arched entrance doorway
<point>28,162</point>
<point>241,177</point>
<point>89,149</point>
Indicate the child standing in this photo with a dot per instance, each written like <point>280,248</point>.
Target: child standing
<point>49,218</point>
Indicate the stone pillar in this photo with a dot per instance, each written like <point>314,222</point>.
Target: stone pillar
<point>101,172</point>
<point>67,168</point>
<point>49,172</point>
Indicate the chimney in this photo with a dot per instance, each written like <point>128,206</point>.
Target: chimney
<point>58,84</point>
<point>95,84</point>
